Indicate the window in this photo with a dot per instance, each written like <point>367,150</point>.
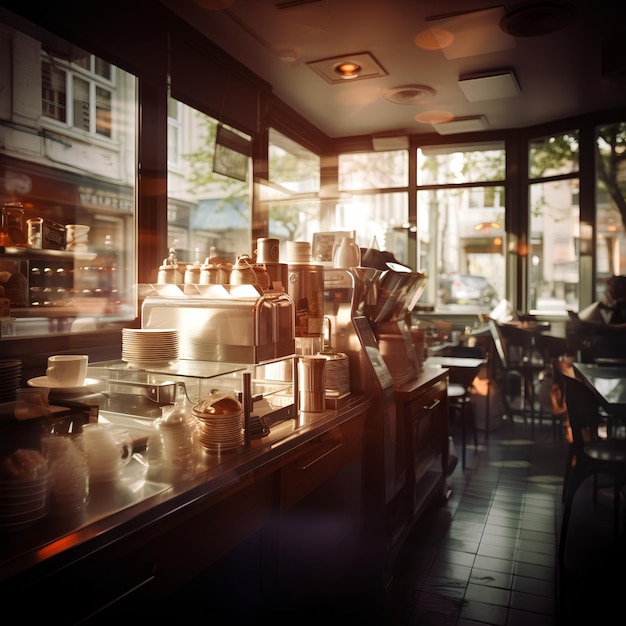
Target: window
<point>554,227</point>
<point>209,213</point>
<point>57,166</point>
<point>460,226</point>
<point>373,201</point>
<point>173,132</point>
<point>292,196</point>
<point>610,238</point>
<point>76,91</point>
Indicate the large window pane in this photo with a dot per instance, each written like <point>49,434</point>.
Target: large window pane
<point>441,165</point>
<point>460,226</point>
<point>553,253</point>
<point>379,219</point>
<point>554,270</point>
<point>60,164</point>
<point>373,170</point>
<point>209,213</point>
<point>292,198</point>
<point>553,155</point>
<point>610,204</point>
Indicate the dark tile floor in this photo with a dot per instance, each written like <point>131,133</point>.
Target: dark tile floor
<point>489,554</point>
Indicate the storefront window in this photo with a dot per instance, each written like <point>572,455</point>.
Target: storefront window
<point>460,225</point>
<point>291,199</point>
<point>209,208</point>
<point>366,204</point>
<point>555,237</point>
<point>69,166</point>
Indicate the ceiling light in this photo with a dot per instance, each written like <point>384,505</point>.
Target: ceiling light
<point>489,86</point>
<point>387,143</point>
<point>348,70</point>
<point>354,67</point>
<point>409,94</point>
<point>434,117</point>
<point>534,20</point>
<point>462,125</point>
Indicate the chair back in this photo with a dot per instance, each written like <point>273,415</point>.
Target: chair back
<point>584,411</point>
<point>550,347</point>
<point>494,329</point>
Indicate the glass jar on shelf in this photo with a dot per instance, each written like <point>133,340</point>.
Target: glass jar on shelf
<point>12,233</point>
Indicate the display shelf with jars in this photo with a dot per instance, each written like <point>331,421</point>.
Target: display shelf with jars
<point>57,283</point>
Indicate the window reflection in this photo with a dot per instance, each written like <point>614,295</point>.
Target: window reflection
<point>209,213</point>
<point>68,158</point>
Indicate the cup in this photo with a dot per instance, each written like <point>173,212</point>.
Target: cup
<point>107,449</point>
<point>347,254</point>
<point>31,402</point>
<point>298,252</point>
<point>67,370</point>
<point>312,380</point>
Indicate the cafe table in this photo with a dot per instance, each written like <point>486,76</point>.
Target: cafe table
<point>467,368</point>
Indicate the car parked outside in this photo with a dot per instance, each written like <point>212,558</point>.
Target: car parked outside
<point>467,289</point>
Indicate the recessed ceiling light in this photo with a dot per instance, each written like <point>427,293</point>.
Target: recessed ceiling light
<point>409,94</point>
<point>462,125</point>
<point>348,70</point>
<point>328,68</point>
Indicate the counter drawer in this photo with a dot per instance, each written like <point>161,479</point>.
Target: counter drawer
<point>427,427</point>
<point>320,460</point>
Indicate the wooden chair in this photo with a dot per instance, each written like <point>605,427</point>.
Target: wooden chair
<point>592,455</point>
<point>519,369</point>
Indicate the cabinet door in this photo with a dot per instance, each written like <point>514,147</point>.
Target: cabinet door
<point>318,531</point>
<point>428,442</point>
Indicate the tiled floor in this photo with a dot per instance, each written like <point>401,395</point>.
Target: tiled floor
<point>489,555</point>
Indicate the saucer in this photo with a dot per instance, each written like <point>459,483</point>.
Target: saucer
<point>44,381</point>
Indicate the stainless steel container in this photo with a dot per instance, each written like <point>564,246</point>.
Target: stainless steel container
<point>306,289</point>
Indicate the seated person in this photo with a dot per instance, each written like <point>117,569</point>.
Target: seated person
<point>610,312</point>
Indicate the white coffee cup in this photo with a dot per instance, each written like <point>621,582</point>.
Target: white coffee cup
<point>67,370</point>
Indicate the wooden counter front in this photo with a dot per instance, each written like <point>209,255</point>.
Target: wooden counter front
<point>146,553</point>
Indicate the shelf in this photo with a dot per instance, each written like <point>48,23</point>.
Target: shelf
<point>41,253</point>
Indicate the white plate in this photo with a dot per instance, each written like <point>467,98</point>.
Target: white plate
<point>44,381</point>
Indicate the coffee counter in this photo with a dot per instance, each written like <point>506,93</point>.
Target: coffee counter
<point>138,542</point>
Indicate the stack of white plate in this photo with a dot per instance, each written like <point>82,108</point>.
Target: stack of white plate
<point>219,424</point>
<point>24,489</point>
<point>149,347</point>
<point>10,375</point>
